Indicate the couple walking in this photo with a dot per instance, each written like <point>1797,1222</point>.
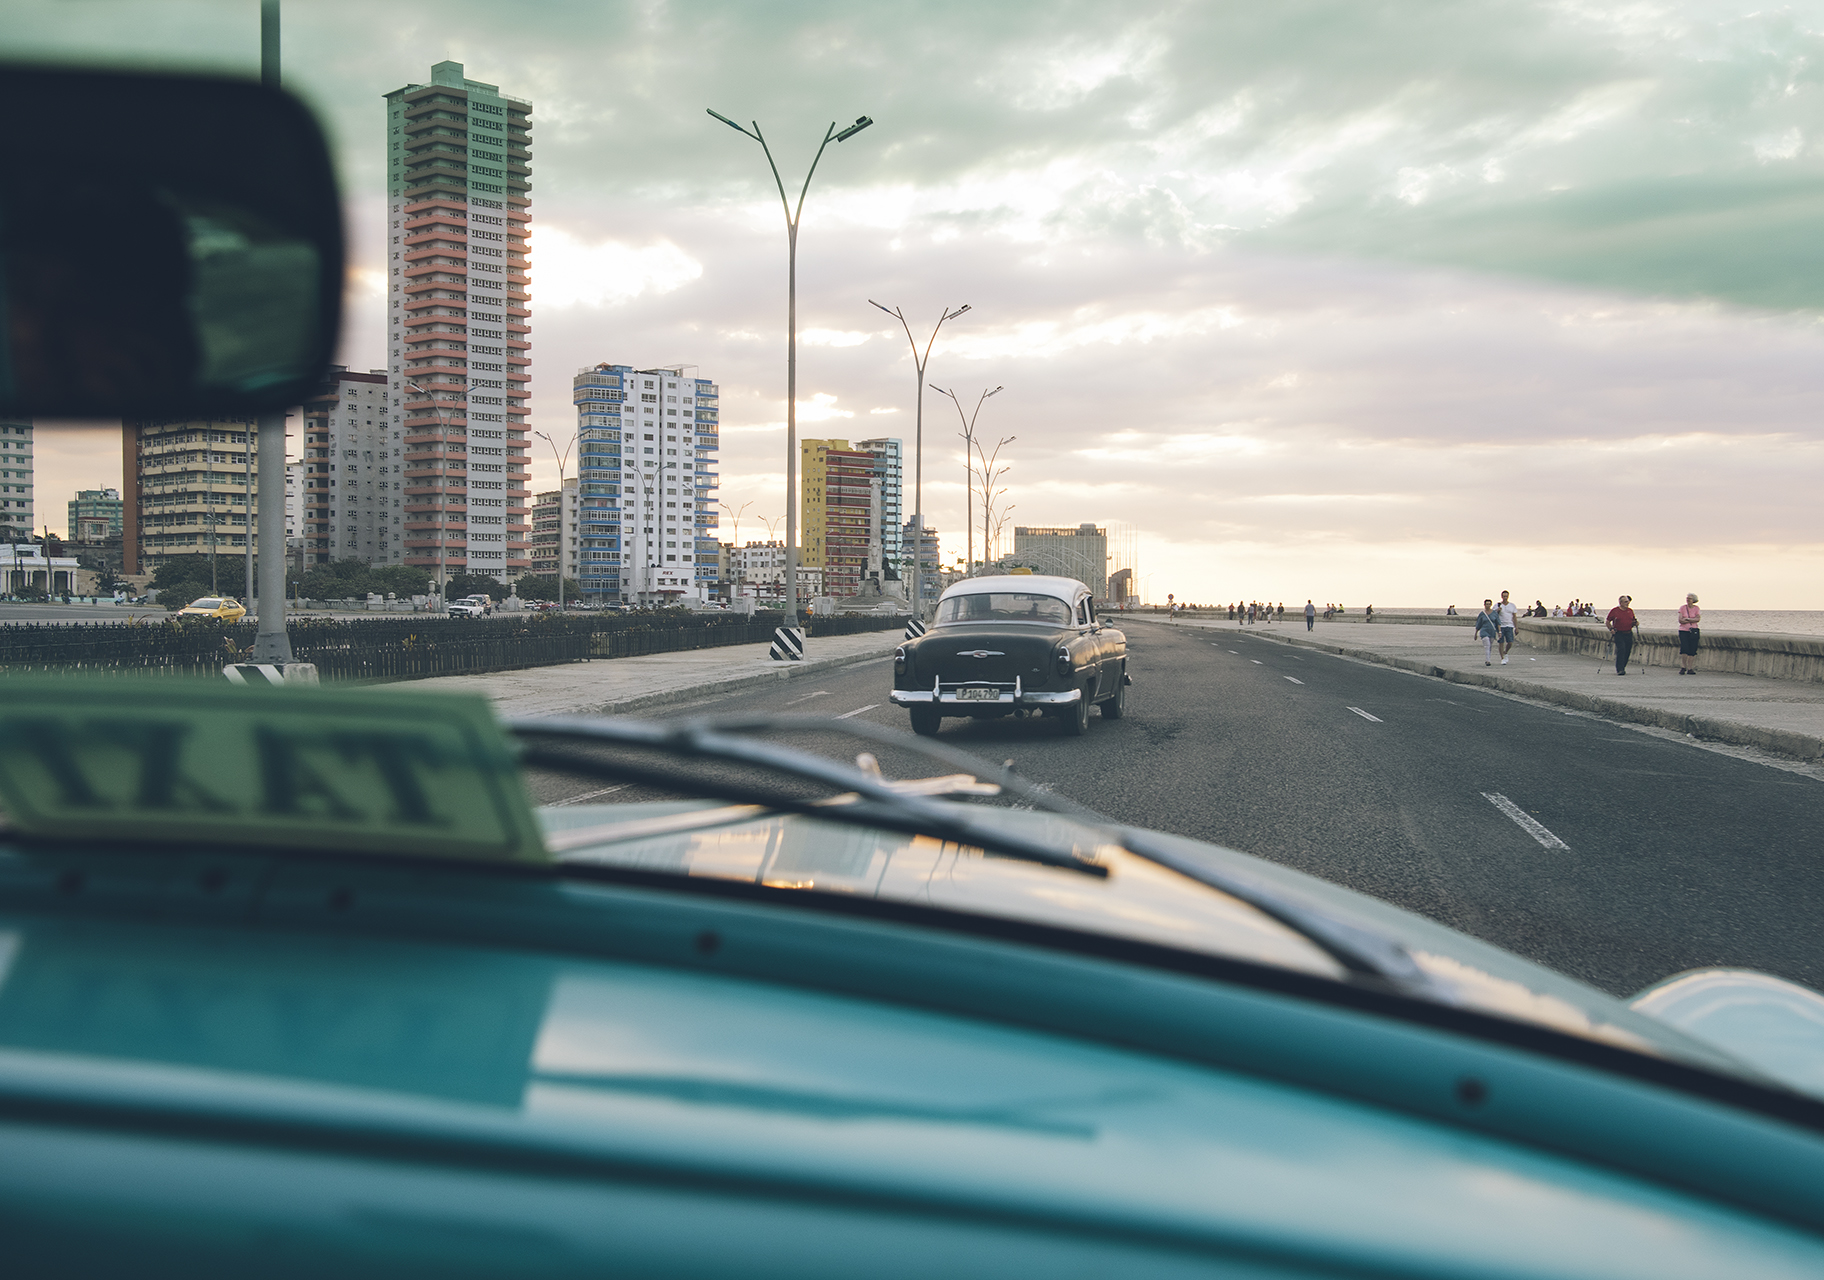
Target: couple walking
<point>1495,626</point>
<point>1622,624</point>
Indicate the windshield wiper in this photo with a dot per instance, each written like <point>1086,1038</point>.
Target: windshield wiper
<point>1363,953</point>
<point>866,798</point>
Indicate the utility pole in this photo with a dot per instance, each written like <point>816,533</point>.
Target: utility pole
<point>563,461</point>
<point>443,466</point>
<point>792,219</point>
<point>271,644</point>
<point>918,451</point>
<point>247,447</point>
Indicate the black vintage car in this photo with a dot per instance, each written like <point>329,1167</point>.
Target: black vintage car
<point>1013,645</point>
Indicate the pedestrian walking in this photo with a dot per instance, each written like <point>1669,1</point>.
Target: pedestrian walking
<point>1621,624</point>
<point>1505,614</point>
<point>1310,615</point>
<point>1487,630</point>
<point>1688,618</point>
<point>1282,610</point>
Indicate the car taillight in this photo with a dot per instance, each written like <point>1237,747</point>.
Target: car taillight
<point>1065,666</point>
<point>902,662</point>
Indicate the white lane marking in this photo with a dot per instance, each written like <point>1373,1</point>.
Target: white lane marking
<point>1257,662</point>
<point>1364,715</point>
<point>1236,652</point>
<point>1295,680</point>
<point>821,693</point>
<point>1528,823</point>
<point>857,711</point>
<point>587,795</point>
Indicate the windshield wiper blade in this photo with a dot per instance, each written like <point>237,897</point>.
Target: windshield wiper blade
<point>1361,952</point>
<point>877,802</point>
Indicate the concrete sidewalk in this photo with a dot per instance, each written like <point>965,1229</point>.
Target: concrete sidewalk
<point>619,686</point>
<point>1782,716</point>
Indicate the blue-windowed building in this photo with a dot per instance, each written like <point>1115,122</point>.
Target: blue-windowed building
<point>646,483</point>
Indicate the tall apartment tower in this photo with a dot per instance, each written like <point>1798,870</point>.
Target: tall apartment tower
<point>836,512</point>
<point>646,444</point>
<point>15,479</point>
<point>189,488</point>
<point>889,455</point>
<point>459,320</point>
<point>354,481</point>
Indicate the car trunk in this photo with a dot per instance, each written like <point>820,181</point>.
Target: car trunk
<point>952,657</point>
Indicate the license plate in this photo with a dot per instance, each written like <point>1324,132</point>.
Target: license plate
<point>978,695</point>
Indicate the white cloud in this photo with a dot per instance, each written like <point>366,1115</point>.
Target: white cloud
<point>569,272</point>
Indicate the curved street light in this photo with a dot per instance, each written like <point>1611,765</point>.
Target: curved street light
<point>563,461</point>
<point>918,465</point>
<point>968,435</point>
<point>792,218</point>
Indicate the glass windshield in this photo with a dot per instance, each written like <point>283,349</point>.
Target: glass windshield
<point>207,603</point>
<point>1002,606</point>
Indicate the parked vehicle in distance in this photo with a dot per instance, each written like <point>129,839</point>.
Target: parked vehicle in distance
<point>1007,645</point>
<point>222,607</point>
<point>465,609</point>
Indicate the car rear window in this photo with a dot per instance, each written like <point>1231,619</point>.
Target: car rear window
<point>1003,606</point>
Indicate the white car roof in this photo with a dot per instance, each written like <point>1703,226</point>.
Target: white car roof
<point>1033,583</point>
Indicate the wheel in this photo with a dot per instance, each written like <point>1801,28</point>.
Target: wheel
<point>1076,717</point>
<point>925,721</point>
<point>1116,707</point>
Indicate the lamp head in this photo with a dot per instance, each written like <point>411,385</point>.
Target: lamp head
<point>959,311</point>
<point>997,391</point>
<point>861,122</point>
<point>725,120</point>
<point>888,310</point>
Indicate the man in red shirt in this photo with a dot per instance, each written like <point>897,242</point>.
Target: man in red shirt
<point>1622,623</point>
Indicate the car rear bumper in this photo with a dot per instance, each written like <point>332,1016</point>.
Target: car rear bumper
<point>940,694</point>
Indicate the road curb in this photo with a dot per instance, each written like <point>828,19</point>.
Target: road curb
<point>1785,742</point>
<point>770,673</point>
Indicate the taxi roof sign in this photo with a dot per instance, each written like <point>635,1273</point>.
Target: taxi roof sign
<point>210,763</point>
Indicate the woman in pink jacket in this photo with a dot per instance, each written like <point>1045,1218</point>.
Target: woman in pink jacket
<point>1689,615</point>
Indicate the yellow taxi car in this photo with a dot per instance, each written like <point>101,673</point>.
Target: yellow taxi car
<point>223,607</point>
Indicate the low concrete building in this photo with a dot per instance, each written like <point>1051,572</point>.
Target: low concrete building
<point>24,564</point>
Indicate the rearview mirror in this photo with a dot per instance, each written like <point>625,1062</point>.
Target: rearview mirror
<point>169,246</point>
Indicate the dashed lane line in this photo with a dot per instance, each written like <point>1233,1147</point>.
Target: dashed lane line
<point>1527,822</point>
<point>857,711</point>
<point>1257,662</point>
<point>1295,680</point>
<point>1364,715</point>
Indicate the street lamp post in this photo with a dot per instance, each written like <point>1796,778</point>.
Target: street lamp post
<point>968,434</point>
<point>443,434</point>
<point>919,361</point>
<point>563,461</point>
<point>791,342</point>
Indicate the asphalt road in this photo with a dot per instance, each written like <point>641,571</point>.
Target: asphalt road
<point>1652,856</point>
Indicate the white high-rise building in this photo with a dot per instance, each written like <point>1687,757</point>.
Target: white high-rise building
<point>354,472</point>
<point>888,469</point>
<point>646,446</point>
<point>459,319</point>
<point>15,478</point>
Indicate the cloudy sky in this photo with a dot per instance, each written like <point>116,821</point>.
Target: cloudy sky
<point>1392,303</point>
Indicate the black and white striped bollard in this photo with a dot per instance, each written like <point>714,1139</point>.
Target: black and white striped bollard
<point>788,644</point>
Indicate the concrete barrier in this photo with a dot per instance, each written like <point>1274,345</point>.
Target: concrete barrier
<point>1749,653</point>
<point>1411,619</point>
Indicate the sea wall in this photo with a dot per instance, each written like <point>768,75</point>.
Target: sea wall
<point>1781,657</point>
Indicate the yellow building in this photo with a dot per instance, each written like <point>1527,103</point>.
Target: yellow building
<point>835,511</point>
